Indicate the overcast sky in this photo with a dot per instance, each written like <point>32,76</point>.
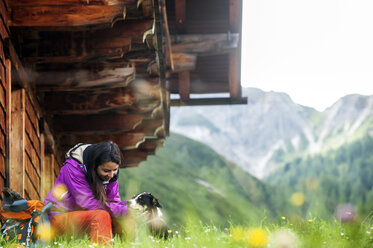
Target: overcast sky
<point>314,50</point>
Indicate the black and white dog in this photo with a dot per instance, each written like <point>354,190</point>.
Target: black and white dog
<point>150,208</point>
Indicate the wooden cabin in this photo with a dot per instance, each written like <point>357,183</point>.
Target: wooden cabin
<point>87,71</point>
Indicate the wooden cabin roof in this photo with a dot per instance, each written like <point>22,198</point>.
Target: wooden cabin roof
<point>105,69</point>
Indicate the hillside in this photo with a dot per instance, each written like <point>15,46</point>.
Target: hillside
<point>193,181</point>
<point>342,176</point>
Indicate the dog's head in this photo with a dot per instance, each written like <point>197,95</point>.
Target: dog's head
<point>145,202</point>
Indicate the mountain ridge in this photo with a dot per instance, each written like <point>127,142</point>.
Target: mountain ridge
<point>251,134</point>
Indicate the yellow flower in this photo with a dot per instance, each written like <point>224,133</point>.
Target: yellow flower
<point>310,220</point>
<point>257,237</point>
<point>238,234</point>
<point>283,217</point>
<point>169,231</point>
<point>94,244</point>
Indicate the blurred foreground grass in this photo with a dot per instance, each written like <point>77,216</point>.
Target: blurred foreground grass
<point>284,234</point>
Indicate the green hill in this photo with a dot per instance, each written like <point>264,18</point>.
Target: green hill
<point>341,176</point>
<point>192,181</point>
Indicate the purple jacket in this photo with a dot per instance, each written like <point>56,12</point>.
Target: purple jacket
<point>79,195</point>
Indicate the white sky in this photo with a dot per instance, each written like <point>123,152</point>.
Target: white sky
<point>314,50</point>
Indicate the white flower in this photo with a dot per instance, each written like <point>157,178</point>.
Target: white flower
<point>342,234</point>
<point>187,238</point>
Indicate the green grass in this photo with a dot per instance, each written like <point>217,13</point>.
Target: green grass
<point>288,233</point>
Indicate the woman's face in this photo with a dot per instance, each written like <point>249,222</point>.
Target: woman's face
<point>107,170</point>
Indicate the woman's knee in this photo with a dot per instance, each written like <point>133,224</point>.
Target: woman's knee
<point>101,215</point>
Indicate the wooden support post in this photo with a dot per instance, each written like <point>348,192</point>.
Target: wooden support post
<point>17,141</point>
<point>8,89</point>
<point>180,7</point>
<point>47,174</point>
<point>235,16</point>
<point>184,85</point>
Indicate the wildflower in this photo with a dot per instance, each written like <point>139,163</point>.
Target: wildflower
<point>207,230</point>
<point>94,244</point>
<point>177,232</point>
<point>237,234</point>
<point>284,238</point>
<point>257,237</point>
<point>368,232</point>
<point>187,238</point>
<point>342,234</point>
<point>310,220</point>
<point>169,231</point>
<point>345,212</point>
<point>226,229</point>
<point>297,199</point>
<point>283,217</point>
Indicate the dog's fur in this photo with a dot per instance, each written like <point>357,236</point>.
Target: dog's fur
<point>150,208</point>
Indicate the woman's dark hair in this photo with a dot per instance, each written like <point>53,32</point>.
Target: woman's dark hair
<point>95,155</point>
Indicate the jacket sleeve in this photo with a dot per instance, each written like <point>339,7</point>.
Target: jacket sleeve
<point>78,187</point>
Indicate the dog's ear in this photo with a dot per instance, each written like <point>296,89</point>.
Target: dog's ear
<point>156,203</point>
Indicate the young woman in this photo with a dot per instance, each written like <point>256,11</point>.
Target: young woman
<point>85,195</point>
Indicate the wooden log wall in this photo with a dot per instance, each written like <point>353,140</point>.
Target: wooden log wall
<point>32,170</point>
<point>5,87</point>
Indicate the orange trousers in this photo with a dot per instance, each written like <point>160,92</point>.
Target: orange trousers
<point>95,222</point>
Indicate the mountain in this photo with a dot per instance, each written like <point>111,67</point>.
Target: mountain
<point>259,135</point>
<point>192,181</point>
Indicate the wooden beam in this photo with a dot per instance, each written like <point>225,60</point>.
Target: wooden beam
<point>180,12</point>
<point>67,15</point>
<point>95,124</point>
<point>184,62</point>
<point>125,141</point>
<point>208,101</point>
<point>79,80</point>
<point>40,3</point>
<point>205,43</point>
<point>84,46</point>
<point>184,85</point>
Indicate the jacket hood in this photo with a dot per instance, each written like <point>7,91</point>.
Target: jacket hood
<point>80,154</point>
<point>77,152</point>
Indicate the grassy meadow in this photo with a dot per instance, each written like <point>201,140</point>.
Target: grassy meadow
<point>284,234</point>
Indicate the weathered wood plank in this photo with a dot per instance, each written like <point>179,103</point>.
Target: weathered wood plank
<point>184,62</point>
<point>180,7</point>
<point>30,16</point>
<point>2,143</point>
<point>128,99</point>
<point>95,124</point>
<point>125,141</point>
<point>47,174</point>
<point>234,75</point>
<point>33,154</point>
<point>2,95</point>
<point>17,143</point>
<point>205,43</point>
<point>28,3</point>
<point>184,85</point>
<point>30,192</point>
<point>32,116</point>
<point>83,79</point>
<point>32,173</point>
<point>134,157</point>
<point>30,131</point>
